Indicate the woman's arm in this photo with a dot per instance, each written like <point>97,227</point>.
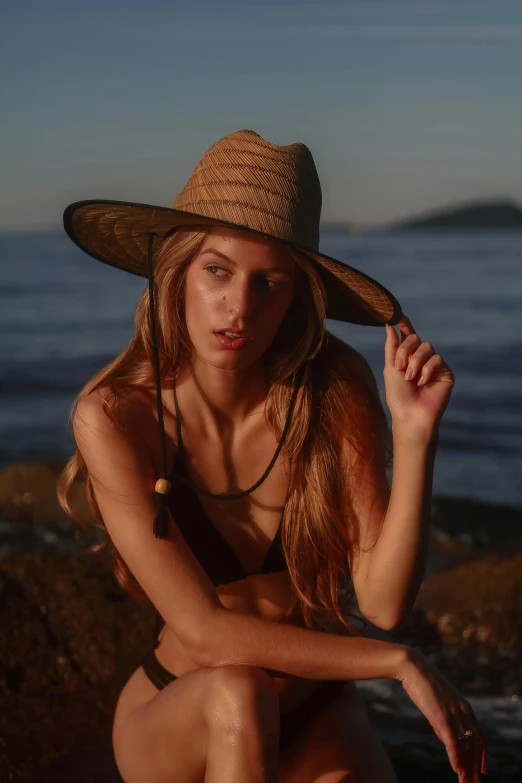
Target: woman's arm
<point>231,637</point>
<point>389,560</point>
<point>389,569</point>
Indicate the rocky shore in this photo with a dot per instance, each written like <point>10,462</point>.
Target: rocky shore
<point>70,637</point>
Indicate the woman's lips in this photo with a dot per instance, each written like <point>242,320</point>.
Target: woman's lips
<point>231,343</point>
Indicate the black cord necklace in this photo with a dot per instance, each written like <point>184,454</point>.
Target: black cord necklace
<point>242,493</point>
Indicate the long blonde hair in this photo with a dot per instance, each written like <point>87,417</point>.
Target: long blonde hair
<point>338,399</point>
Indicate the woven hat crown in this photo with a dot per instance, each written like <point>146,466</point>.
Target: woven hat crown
<point>247,180</point>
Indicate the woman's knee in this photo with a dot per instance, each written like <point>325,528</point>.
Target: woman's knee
<point>240,696</point>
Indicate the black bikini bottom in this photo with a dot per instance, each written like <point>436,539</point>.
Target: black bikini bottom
<point>292,722</point>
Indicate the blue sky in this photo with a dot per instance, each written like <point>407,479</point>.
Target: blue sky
<point>406,106</point>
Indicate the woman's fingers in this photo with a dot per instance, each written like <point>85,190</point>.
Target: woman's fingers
<point>390,346</point>
<point>406,349</point>
<point>428,368</point>
<point>396,354</point>
<point>471,752</point>
<point>482,763</point>
<point>469,759</point>
<point>418,359</point>
<point>477,743</point>
<point>405,326</point>
<point>450,743</point>
<point>459,753</point>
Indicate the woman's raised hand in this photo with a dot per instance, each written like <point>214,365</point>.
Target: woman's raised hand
<point>418,381</point>
<point>448,712</point>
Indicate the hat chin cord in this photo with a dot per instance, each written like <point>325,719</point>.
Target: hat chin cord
<point>161,524</point>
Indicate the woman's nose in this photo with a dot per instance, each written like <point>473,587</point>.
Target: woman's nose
<point>240,298</point>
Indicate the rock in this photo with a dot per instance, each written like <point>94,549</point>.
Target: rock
<point>31,520</point>
<point>468,621</point>
<point>478,602</point>
<point>90,765</point>
<point>28,494</point>
<point>69,639</point>
<point>54,737</point>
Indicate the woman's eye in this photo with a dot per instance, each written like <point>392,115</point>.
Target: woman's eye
<point>266,281</point>
<point>213,269</point>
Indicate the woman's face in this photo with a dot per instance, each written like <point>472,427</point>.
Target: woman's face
<point>239,283</point>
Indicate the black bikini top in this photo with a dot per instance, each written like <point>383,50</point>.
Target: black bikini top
<point>209,546</point>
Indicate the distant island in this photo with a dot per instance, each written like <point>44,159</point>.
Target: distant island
<point>471,215</point>
<point>492,214</point>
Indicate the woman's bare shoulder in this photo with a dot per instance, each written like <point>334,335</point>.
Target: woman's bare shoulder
<point>130,404</point>
<point>127,413</point>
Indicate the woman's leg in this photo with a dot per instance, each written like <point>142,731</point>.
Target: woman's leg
<point>212,725</point>
<point>339,745</point>
<point>222,724</point>
<point>243,715</point>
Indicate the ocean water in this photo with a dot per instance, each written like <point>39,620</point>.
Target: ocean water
<point>64,315</point>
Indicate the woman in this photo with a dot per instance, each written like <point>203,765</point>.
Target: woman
<point>231,382</point>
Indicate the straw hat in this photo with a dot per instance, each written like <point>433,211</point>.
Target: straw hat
<point>242,181</point>
<point>246,182</point>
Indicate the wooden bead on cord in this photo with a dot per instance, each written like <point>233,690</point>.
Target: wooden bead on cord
<point>162,486</point>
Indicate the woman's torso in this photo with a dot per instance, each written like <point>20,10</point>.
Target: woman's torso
<point>248,527</point>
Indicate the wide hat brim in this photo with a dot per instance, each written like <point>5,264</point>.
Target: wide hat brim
<point>117,233</point>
